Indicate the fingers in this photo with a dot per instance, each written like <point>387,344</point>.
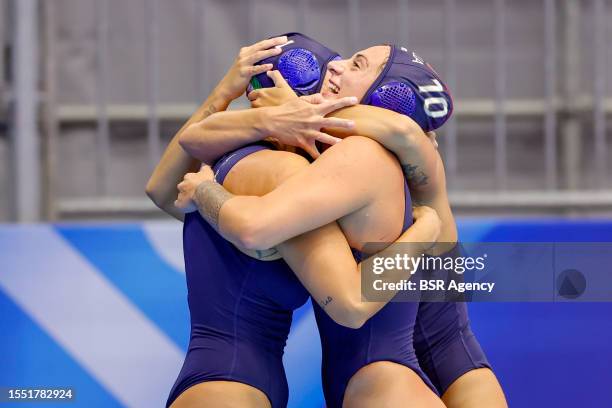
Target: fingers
<point>254,94</point>
<point>315,99</point>
<point>325,138</point>
<point>181,200</point>
<point>256,69</point>
<point>311,148</point>
<point>333,105</point>
<point>185,205</point>
<point>278,79</point>
<point>270,42</point>
<point>337,123</point>
<point>256,98</point>
<point>261,55</point>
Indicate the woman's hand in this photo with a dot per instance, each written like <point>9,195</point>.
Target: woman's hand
<point>277,95</point>
<point>235,82</point>
<point>427,218</point>
<point>299,121</point>
<point>188,187</point>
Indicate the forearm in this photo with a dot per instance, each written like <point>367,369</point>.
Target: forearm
<point>236,224</point>
<point>412,243</point>
<point>247,221</point>
<point>323,262</point>
<point>175,162</point>
<point>370,121</point>
<point>223,132</point>
<point>340,182</point>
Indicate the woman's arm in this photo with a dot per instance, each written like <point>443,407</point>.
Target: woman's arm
<point>296,122</point>
<point>343,180</point>
<point>401,135</point>
<point>223,132</point>
<point>396,132</point>
<point>417,154</point>
<point>175,162</point>
<point>323,262</point>
<point>343,177</point>
<point>322,259</point>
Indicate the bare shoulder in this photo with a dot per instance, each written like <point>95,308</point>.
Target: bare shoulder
<point>281,164</point>
<point>285,158</point>
<point>261,172</point>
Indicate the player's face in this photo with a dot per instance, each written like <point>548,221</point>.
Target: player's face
<point>353,76</point>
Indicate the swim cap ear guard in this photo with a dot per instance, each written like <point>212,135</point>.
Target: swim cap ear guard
<point>410,86</point>
<point>302,63</point>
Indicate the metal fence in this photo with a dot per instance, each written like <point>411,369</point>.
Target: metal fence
<point>562,109</point>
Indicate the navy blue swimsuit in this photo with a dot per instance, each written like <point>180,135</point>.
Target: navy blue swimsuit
<point>434,339</point>
<point>241,309</point>
<point>386,336</point>
<point>443,339</point>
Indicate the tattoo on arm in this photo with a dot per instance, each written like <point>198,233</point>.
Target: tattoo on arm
<point>415,175</point>
<point>210,197</point>
<point>326,301</point>
<point>210,110</point>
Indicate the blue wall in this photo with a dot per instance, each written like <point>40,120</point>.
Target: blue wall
<point>103,307</point>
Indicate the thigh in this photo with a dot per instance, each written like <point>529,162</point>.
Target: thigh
<point>387,384</point>
<point>221,394</point>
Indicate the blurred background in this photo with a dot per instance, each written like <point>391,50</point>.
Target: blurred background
<point>92,291</point>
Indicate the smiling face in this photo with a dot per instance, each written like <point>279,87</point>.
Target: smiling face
<point>354,76</point>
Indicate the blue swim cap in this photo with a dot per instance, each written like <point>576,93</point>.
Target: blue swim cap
<point>302,63</point>
<point>410,86</point>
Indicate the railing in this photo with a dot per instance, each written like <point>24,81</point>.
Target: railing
<point>3,85</point>
<point>559,109</point>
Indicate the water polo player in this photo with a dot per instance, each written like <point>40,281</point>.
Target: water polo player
<point>455,357</point>
<point>240,307</point>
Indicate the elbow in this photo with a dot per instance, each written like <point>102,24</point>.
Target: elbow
<point>352,323</point>
<point>152,191</point>
<point>252,234</point>
<point>351,315</point>
<point>188,139</point>
<point>194,142</point>
<point>159,198</point>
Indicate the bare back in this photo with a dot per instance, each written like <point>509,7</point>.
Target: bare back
<point>377,180</point>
